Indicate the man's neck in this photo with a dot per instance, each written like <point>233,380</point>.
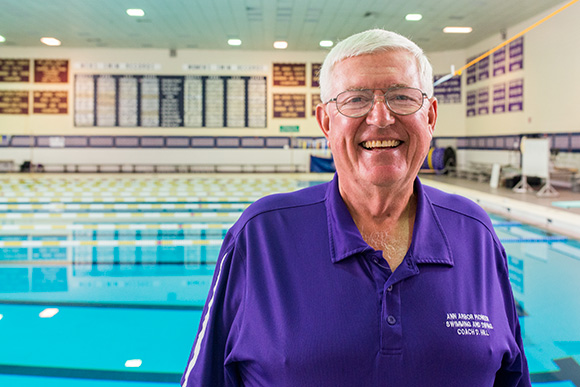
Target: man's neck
<point>385,220</point>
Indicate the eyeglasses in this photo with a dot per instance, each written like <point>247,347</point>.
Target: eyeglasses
<point>399,100</point>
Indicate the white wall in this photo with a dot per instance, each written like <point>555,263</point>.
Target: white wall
<point>551,93</point>
<point>55,159</point>
<point>551,78</point>
<point>451,117</point>
<point>41,124</point>
<point>504,158</point>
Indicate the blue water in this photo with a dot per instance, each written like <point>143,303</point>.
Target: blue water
<point>544,271</point>
<point>136,288</point>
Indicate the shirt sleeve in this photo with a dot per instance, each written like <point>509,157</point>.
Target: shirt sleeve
<point>222,312</point>
<point>514,371</point>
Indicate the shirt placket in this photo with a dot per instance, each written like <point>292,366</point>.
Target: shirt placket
<point>391,327</point>
<point>391,324</point>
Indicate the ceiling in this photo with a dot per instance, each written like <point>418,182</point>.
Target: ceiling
<point>208,24</point>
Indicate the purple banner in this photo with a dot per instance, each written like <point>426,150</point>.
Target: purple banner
<point>499,62</point>
<point>449,91</point>
<point>499,98</point>
<point>483,69</point>
<point>516,95</point>
<point>471,100</point>
<point>516,54</point>
<point>471,72</point>
<point>483,101</point>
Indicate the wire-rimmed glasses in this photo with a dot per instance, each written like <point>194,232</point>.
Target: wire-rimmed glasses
<point>399,100</point>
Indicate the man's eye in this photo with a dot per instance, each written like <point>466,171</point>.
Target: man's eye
<point>357,99</point>
<point>400,97</point>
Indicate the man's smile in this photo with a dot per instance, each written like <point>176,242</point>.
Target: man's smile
<point>376,144</point>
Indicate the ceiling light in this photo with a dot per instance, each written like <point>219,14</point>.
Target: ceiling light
<point>234,42</point>
<point>414,17</point>
<point>48,312</point>
<point>1,317</point>
<point>133,363</point>
<point>2,39</point>
<point>50,41</point>
<point>135,12</point>
<point>457,30</point>
<point>326,43</point>
<point>281,45</point>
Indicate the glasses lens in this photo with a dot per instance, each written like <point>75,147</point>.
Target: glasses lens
<point>355,103</point>
<point>404,100</point>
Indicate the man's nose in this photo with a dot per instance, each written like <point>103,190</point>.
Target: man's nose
<point>380,115</point>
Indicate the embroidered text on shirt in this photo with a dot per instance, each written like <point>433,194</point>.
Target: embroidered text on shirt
<point>469,324</point>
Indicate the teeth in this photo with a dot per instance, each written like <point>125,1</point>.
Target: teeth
<point>380,144</point>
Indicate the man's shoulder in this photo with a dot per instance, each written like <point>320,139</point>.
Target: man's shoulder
<point>271,204</point>
<point>457,205</point>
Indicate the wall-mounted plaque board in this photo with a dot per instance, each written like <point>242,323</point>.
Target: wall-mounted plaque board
<point>14,70</point>
<point>50,102</point>
<point>13,102</point>
<point>315,101</point>
<point>51,70</point>
<point>315,74</point>
<point>170,101</point>
<point>289,74</point>
<point>289,105</point>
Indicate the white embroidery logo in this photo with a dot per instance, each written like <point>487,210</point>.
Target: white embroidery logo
<point>469,324</point>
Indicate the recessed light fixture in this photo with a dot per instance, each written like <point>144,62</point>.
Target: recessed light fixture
<point>414,17</point>
<point>2,39</point>
<point>234,42</point>
<point>135,12</point>
<point>326,43</point>
<point>133,363</point>
<point>50,41</point>
<point>48,312</point>
<point>280,45</point>
<point>457,30</point>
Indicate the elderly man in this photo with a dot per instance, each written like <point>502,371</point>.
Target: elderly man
<point>371,279</point>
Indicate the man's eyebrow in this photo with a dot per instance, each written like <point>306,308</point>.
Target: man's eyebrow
<point>398,85</point>
<point>393,86</point>
<point>357,89</point>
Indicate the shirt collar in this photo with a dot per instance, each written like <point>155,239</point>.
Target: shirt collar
<point>429,244</point>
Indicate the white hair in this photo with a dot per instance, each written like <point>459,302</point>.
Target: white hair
<point>368,42</point>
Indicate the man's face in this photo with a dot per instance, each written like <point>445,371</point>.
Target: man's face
<point>381,148</point>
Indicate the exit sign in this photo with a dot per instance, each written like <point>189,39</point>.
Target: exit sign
<point>287,129</point>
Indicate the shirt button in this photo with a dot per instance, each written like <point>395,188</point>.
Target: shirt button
<point>391,320</point>
<point>390,288</point>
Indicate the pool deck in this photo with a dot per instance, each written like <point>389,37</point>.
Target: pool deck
<point>525,207</point>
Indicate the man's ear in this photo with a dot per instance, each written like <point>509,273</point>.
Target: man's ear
<point>323,119</point>
<point>432,114</point>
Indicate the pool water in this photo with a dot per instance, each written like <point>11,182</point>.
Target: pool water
<point>120,269</point>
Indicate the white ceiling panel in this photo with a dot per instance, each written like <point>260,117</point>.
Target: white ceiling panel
<point>208,24</point>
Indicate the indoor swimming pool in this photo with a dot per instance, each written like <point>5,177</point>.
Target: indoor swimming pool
<point>103,280</point>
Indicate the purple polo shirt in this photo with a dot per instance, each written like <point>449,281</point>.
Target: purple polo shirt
<point>300,299</point>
